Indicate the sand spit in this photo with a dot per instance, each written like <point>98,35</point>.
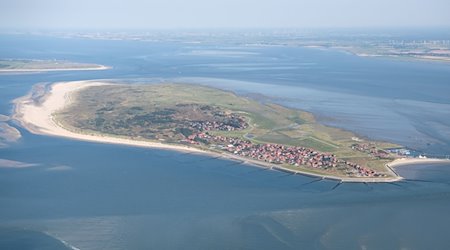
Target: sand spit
<point>416,161</point>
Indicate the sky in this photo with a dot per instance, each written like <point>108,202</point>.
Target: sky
<point>175,14</point>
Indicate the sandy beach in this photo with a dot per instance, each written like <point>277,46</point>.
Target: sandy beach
<point>38,119</point>
<point>415,161</point>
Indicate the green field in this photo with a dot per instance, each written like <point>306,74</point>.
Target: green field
<point>138,112</point>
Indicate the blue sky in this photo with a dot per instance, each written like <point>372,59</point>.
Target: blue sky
<point>167,14</point>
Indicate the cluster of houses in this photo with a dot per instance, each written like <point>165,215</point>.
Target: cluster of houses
<point>371,150</point>
<point>228,123</point>
<point>361,171</point>
<point>281,154</point>
<point>275,153</point>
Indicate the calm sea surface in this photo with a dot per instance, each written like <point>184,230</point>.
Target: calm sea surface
<point>80,195</point>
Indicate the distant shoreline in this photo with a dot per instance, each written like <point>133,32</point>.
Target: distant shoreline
<point>25,70</point>
<point>38,119</point>
<point>349,50</point>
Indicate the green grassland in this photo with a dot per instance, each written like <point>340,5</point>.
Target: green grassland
<point>113,109</point>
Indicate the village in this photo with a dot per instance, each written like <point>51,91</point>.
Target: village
<point>229,123</point>
<point>371,149</point>
<point>270,153</point>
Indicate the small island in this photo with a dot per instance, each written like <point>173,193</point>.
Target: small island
<point>205,120</point>
<point>31,65</point>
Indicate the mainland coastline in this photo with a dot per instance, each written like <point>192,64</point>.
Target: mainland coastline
<point>27,70</point>
<point>37,116</point>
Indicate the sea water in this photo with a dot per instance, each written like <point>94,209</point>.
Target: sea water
<point>83,195</point>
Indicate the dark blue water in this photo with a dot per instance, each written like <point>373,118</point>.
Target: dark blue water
<point>97,196</point>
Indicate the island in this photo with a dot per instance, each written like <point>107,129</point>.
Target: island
<point>32,65</point>
<point>201,119</point>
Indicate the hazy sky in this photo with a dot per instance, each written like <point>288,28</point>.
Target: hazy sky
<point>150,14</point>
